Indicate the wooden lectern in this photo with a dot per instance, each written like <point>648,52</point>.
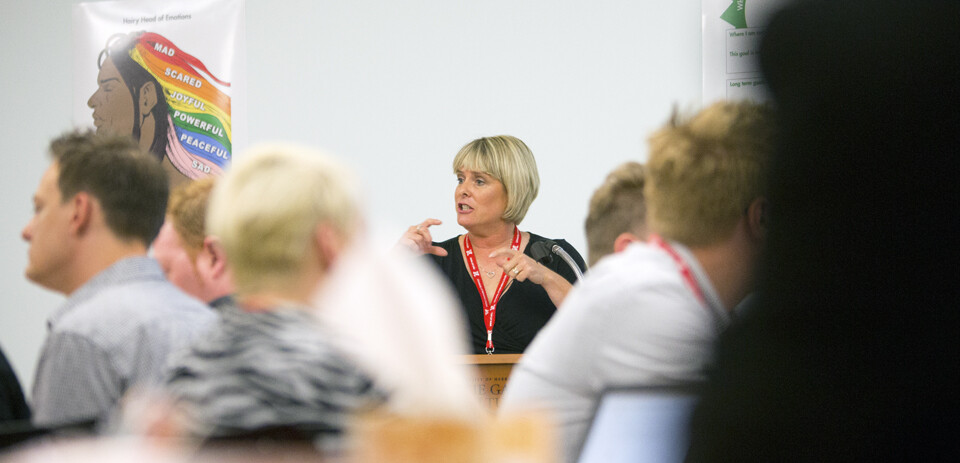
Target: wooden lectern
<point>492,373</point>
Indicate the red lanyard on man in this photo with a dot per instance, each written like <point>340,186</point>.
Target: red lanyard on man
<point>682,265</point>
<point>489,307</point>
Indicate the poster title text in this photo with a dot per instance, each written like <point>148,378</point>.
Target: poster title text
<point>156,19</point>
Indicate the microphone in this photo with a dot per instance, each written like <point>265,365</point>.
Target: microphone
<point>541,253</point>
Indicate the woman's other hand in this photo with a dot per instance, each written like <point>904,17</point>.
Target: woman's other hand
<point>519,266</point>
<point>522,267</point>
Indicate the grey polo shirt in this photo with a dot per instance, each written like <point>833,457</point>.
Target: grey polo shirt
<point>114,332</point>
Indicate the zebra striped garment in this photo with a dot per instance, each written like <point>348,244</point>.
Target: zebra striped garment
<point>269,369</point>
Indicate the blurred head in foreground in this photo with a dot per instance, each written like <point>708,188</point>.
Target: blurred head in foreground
<point>706,188</point>
<point>706,171</point>
<point>283,215</point>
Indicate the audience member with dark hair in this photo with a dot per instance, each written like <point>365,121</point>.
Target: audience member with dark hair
<point>649,315</point>
<point>851,352</point>
<point>96,210</point>
<point>617,214</point>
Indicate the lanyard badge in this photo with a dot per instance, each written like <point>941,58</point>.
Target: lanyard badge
<point>489,307</point>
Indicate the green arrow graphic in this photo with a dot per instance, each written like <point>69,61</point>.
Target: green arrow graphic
<point>736,14</point>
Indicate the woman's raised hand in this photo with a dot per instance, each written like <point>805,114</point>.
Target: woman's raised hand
<point>417,238</point>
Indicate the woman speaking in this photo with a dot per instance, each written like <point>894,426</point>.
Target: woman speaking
<point>508,296</point>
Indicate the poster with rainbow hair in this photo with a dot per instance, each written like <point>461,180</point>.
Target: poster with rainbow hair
<point>169,73</point>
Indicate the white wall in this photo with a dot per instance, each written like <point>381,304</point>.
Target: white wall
<point>395,89</point>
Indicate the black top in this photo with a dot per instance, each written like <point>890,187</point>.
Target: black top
<point>523,308</point>
<point>12,405</point>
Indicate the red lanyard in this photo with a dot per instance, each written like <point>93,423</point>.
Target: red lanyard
<point>489,307</point>
<point>685,271</point>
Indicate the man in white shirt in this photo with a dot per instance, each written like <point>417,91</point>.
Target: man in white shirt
<point>649,315</point>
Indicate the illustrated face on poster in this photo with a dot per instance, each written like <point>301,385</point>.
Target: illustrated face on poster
<point>112,103</point>
<point>167,100</point>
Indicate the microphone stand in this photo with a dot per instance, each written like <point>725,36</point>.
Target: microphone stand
<point>569,260</point>
<point>541,253</point>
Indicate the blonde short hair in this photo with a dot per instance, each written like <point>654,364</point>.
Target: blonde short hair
<point>187,210</point>
<point>509,161</point>
<point>616,207</point>
<point>703,172</point>
<point>266,209</point>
